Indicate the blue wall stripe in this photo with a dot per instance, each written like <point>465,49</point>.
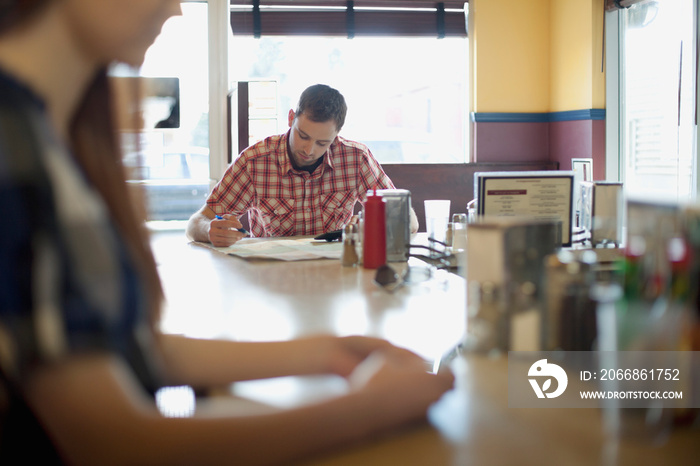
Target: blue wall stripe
<point>571,115</point>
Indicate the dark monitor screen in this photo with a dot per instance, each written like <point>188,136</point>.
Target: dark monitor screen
<point>158,102</point>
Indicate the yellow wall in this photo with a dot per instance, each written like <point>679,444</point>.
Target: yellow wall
<point>598,71</point>
<point>576,55</point>
<point>536,56</point>
<point>511,66</point>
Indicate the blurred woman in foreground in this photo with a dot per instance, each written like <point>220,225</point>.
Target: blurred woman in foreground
<point>80,354</point>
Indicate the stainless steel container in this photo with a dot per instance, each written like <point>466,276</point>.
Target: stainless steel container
<point>505,256</point>
<point>601,211</point>
<point>398,223</point>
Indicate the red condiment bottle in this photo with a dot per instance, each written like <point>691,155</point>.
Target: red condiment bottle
<point>374,237</point>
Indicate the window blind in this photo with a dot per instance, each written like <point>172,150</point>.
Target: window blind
<point>349,18</point>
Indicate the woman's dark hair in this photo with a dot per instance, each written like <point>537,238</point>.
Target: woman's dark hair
<point>321,103</point>
<point>15,12</point>
<point>97,151</point>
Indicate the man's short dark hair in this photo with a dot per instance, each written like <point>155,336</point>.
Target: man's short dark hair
<point>321,103</point>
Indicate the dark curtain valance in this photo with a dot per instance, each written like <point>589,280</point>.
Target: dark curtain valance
<point>611,5</point>
<point>348,18</point>
<point>449,4</point>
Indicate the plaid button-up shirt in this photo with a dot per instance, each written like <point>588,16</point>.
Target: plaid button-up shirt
<point>282,201</point>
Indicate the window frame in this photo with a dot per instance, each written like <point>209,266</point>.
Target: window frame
<point>220,137</point>
<point>219,31</point>
<point>456,15</point>
<point>615,111</point>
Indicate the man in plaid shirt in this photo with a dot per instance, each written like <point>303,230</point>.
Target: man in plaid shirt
<point>304,182</point>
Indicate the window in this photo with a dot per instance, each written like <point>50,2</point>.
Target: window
<point>400,90</point>
<point>401,65</point>
<point>170,156</point>
<point>406,96</point>
<point>657,86</point>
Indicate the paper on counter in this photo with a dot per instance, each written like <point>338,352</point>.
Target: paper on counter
<point>282,249</point>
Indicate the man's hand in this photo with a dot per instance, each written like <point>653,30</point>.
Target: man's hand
<point>225,231</point>
<point>221,231</point>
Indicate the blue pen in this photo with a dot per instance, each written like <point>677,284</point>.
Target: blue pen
<point>242,230</point>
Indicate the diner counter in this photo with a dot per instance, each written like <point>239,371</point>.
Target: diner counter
<point>213,295</point>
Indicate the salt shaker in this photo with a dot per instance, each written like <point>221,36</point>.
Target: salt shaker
<point>349,256</point>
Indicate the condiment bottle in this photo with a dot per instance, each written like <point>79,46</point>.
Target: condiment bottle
<point>374,235</point>
<point>349,256</point>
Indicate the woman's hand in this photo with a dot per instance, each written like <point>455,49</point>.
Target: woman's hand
<point>397,376</point>
<point>346,353</point>
<point>404,390</point>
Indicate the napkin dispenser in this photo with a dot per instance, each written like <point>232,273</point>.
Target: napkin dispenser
<point>398,223</point>
<point>505,275</point>
<point>601,212</point>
